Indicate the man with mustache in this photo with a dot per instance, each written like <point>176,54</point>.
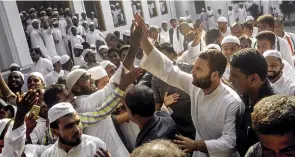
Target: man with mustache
<point>280,82</point>
<point>215,132</point>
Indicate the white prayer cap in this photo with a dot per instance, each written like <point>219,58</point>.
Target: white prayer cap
<point>127,33</point>
<point>67,9</point>
<point>86,51</point>
<point>20,73</point>
<point>92,46</point>
<point>21,14</point>
<point>73,76</point>
<point>273,53</point>
<point>42,12</point>
<point>117,4</point>
<point>214,46</point>
<point>103,47</point>
<point>182,18</point>
<point>222,19</point>
<point>112,5</point>
<point>91,23</point>
<point>35,20</point>
<point>74,17</point>
<point>164,22</point>
<point>39,75</point>
<point>230,39</point>
<point>59,110</point>
<point>191,25</point>
<point>49,8</point>
<point>55,22</point>
<point>249,18</point>
<point>97,72</point>
<point>106,63</point>
<point>78,46</point>
<point>75,67</point>
<point>3,123</point>
<point>55,59</point>
<point>202,9</point>
<point>14,65</point>
<point>55,13</point>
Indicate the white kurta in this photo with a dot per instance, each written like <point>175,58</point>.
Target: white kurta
<point>92,37</point>
<point>63,25</point>
<point>49,43</point>
<point>178,44</point>
<point>231,17</point>
<point>224,104</point>
<point>242,15</point>
<point>160,39</point>
<point>284,86</point>
<point>290,38</point>
<point>37,42</point>
<point>95,21</point>
<point>212,22</point>
<point>52,77</point>
<point>227,33</point>
<point>165,34</point>
<point>190,55</point>
<point>87,147</point>
<point>44,66</point>
<point>75,40</point>
<point>285,50</point>
<point>38,132</point>
<point>187,17</point>
<point>60,46</point>
<point>35,150</point>
<point>288,70</point>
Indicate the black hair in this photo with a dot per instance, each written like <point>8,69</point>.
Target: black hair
<point>274,115</point>
<point>112,50</point>
<point>249,61</point>
<point>217,60</point>
<point>267,35</point>
<point>212,35</point>
<point>167,47</point>
<point>36,50</point>
<point>51,94</point>
<point>123,48</point>
<point>85,45</point>
<point>172,20</point>
<point>117,33</point>
<point>245,38</point>
<point>140,100</point>
<point>266,19</point>
<point>247,25</point>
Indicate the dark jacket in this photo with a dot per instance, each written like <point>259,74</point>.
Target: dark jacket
<point>246,136</point>
<point>160,126</point>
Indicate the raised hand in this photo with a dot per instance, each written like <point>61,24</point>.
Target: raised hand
<point>198,32</point>
<point>129,78</point>
<point>25,104</point>
<point>139,22</point>
<point>169,100</point>
<point>102,153</point>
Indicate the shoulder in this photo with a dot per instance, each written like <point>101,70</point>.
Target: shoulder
<point>231,96</point>
<point>49,151</point>
<point>94,140</point>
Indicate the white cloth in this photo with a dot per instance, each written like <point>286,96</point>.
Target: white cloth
<point>37,42</point>
<point>92,37</point>
<point>211,20</point>
<point>59,110</point>
<point>288,70</point>
<point>38,132</point>
<point>290,37</point>
<point>63,25</point>
<point>87,147</point>
<point>178,44</point>
<point>44,66</point>
<point>75,40</point>
<point>130,131</point>
<point>14,141</point>
<point>226,73</point>
<point>60,46</point>
<point>224,104</point>
<point>94,21</point>
<point>227,33</point>
<point>97,72</point>
<point>242,15</point>
<point>187,17</point>
<point>35,150</point>
<point>29,29</point>
<point>255,32</point>
<point>52,77</point>
<point>137,62</point>
<point>165,34</point>
<point>160,39</point>
<point>230,39</point>
<point>285,50</point>
<point>190,55</point>
<point>105,130</point>
<point>284,86</point>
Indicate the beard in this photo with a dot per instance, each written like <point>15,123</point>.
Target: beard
<point>203,83</point>
<point>74,143</point>
<point>86,90</point>
<point>275,74</point>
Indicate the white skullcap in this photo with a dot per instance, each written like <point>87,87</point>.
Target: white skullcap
<point>49,8</point>
<point>249,18</point>
<point>214,46</point>
<point>164,22</point>
<point>39,75</point>
<point>55,13</point>
<point>14,65</point>
<point>74,17</point>
<point>64,59</point>
<point>92,46</point>
<point>86,51</point>
<point>103,47</point>
<point>78,46</point>
<point>230,39</point>
<point>55,59</point>
<point>182,18</point>
<point>67,9</point>
<point>97,72</point>
<point>73,76</point>
<point>138,4</point>
<point>106,63</point>
<point>42,12</point>
<point>20,73</point>
<point>35,20</point>
<point>91,23</point>
<point>127,33</point>
<point>112,5</point>
<point>75,67</point>
<point>191,25</point>
<point>117,4</point>
<point>202,9</point>
<point>273,53</point>
<point>3,123</point>
<point>222,19</point>
<point>59,110</point>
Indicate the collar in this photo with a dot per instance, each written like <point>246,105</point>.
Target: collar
<point>216,91</point>
<point>286,35</point>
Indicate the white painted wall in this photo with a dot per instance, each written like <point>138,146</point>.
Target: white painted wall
<point>182,6</point>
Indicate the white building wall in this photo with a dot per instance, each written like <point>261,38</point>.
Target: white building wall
<point>182,6</point>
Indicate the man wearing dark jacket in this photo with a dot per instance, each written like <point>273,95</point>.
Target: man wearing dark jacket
<point>140,105</point>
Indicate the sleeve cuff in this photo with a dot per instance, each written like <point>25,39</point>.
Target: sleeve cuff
<point>119,92</point>
<point>15,134</point>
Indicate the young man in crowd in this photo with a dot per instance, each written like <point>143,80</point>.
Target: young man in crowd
<point>237,30</point>
<point>52,77</point>
<point>288,36</point>
<point>273,120</point>
<point>40,64</point>
<point>222,25</point>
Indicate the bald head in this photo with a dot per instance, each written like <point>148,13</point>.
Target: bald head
<point>236,30</point>
<point>184,28</point>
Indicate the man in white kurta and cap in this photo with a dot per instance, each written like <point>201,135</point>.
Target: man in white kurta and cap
<point>67,64</point>
<point>215,132</point>
<point>46,34</point>
<point>204,18</point>
<point>36,39</point>
<point>58,39</point>
<point>222,25</point>
<point>65,123</point>
<point>211,17</point>
<point>231,15</point>
<point>280,82</point>
<point>42,65</point>
<point>52,77</point>
<point>164,30</point>
<point>94,34</point>
<point>242,13</point>
<point>100,76</point>
<point>230,45</point>
<point>74,38</point>
<point>77,55</point>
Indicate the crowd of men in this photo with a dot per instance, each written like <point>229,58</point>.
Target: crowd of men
<point>183,91</point>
